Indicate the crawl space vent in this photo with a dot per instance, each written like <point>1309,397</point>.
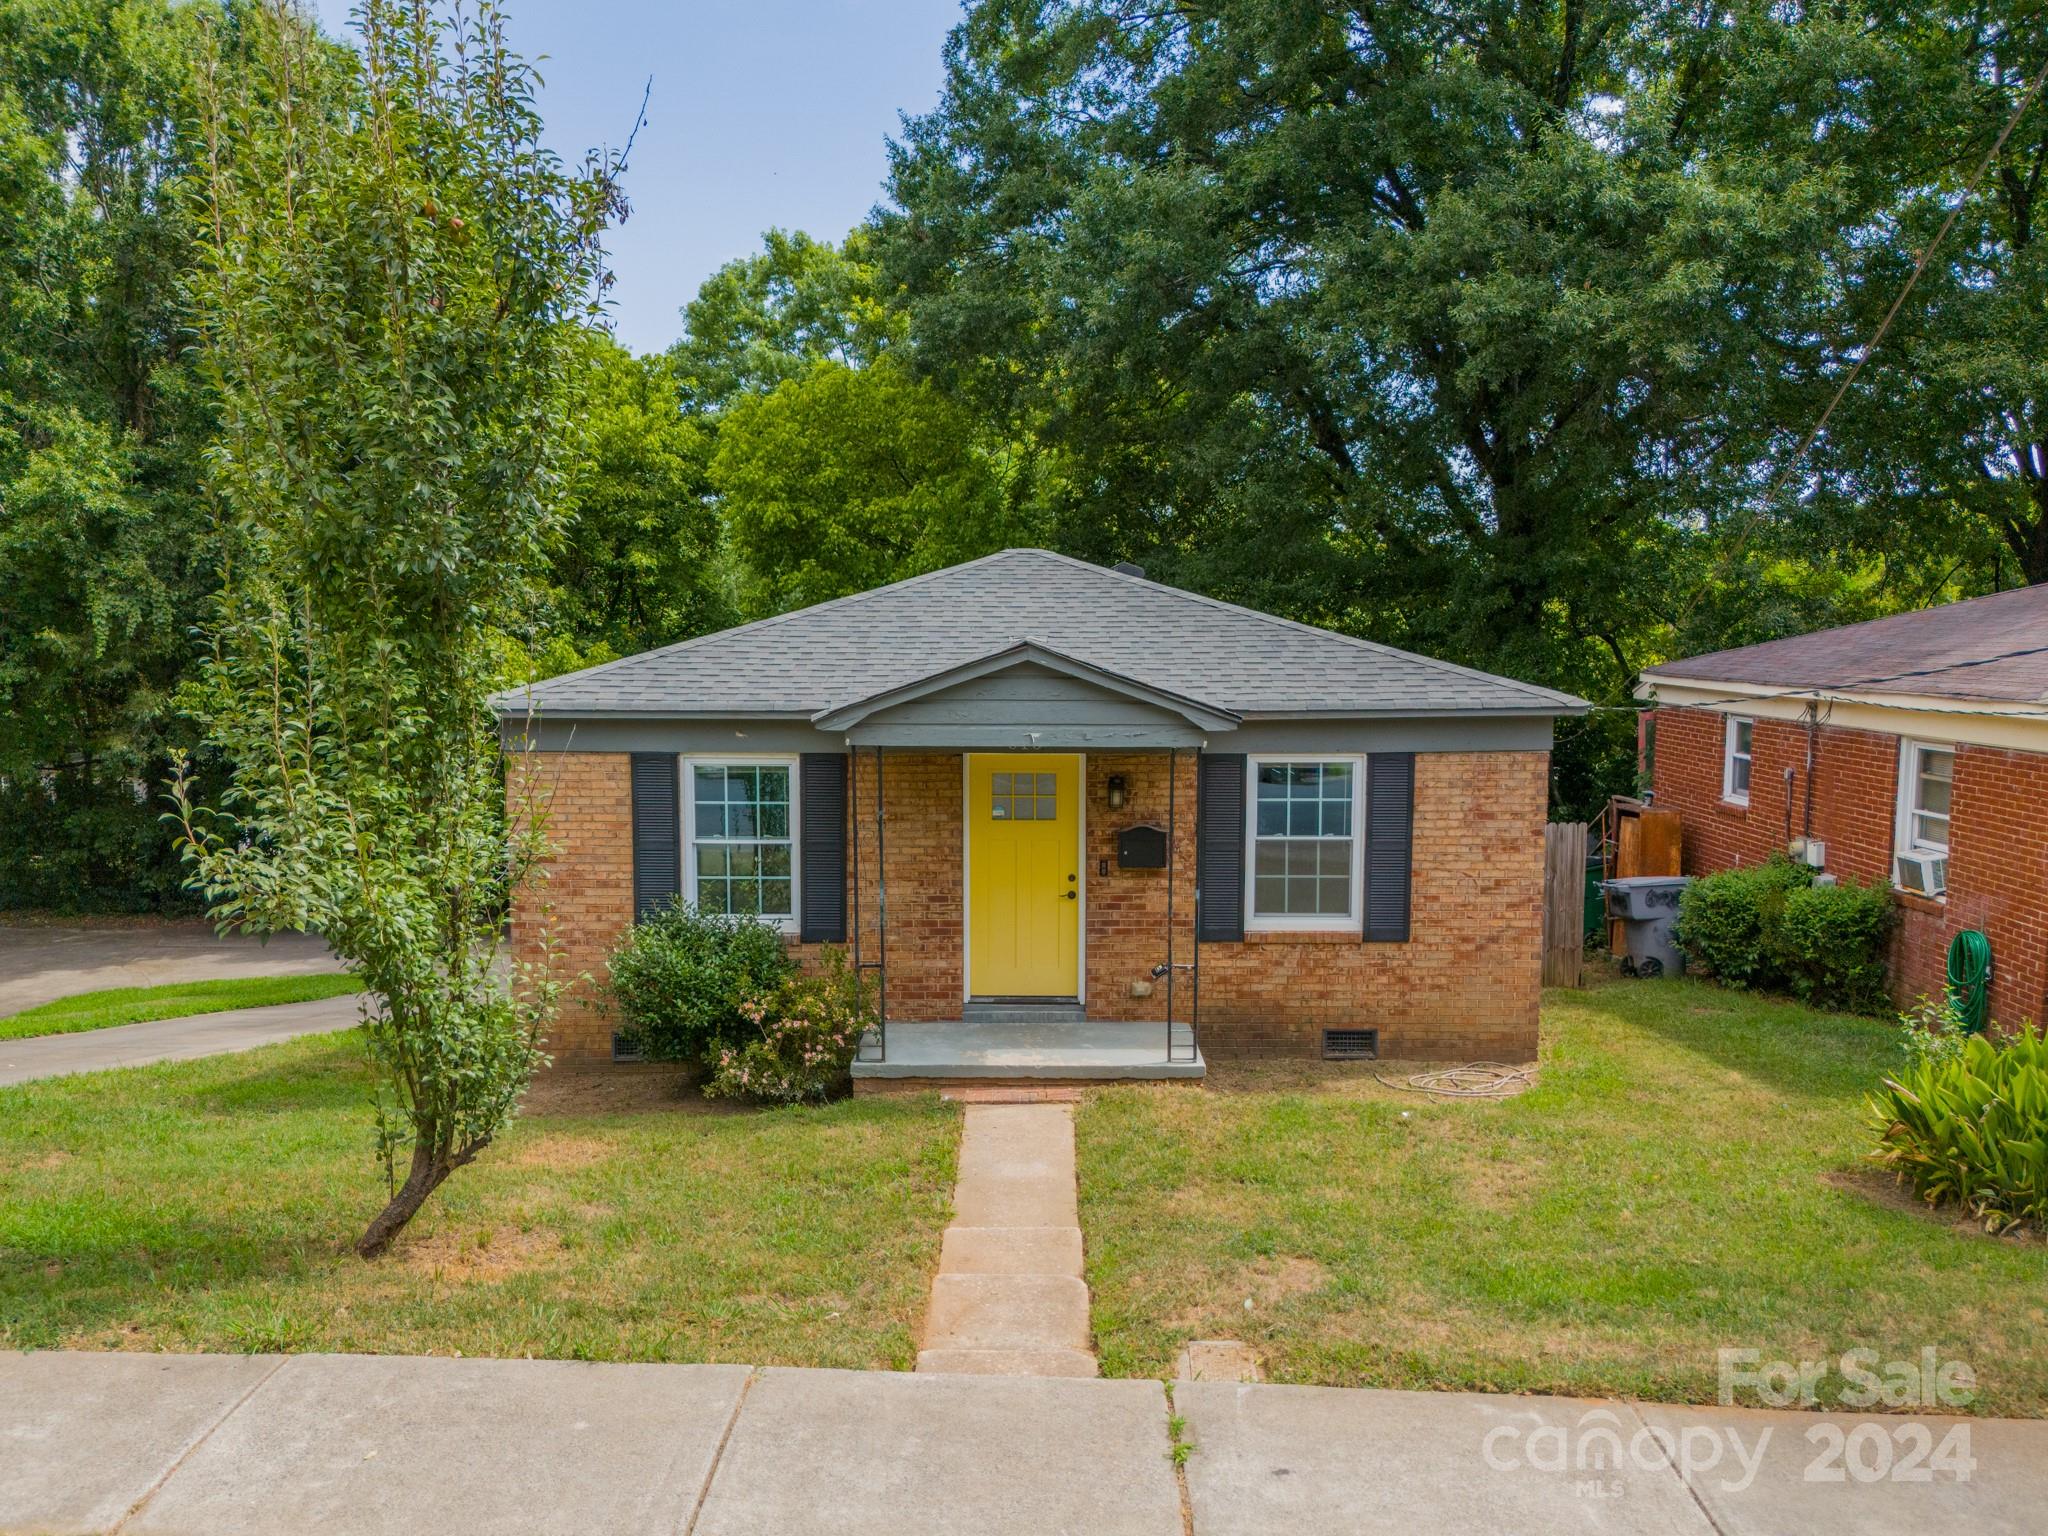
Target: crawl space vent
<point>623,1049</point>
<point>1351,1044</point>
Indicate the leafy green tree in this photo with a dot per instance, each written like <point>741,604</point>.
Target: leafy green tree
<point>639,563</point>
<point>845,478</point>
<point>104,539</point>
<point>1462,328</point>
<point>1937,462</point>
<point>767,318</point>
<point>395,282</point>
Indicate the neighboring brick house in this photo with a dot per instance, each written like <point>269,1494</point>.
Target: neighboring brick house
<point>1912,749</point>
<point>1053,779</point>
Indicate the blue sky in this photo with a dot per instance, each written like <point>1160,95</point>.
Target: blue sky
<point>764,112</point>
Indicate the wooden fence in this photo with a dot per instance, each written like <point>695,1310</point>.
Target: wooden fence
<point>1564,903</point>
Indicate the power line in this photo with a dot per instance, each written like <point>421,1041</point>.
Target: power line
<point>1877,338</point>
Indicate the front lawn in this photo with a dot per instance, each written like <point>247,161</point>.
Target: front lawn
<point>176,1000</point>
<point>1685,1176</point>
<point>208,1206</point>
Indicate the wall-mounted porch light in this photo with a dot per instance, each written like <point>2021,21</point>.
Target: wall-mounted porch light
<point>1117,791</point>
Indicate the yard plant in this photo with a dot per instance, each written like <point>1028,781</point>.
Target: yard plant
<point>682,980</point>
<point>1968,1126</point>
<point>393,280</point>
<point>806,1034</point>
<point>1769,926</point>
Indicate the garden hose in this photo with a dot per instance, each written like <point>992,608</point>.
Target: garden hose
<point>1969,976</point>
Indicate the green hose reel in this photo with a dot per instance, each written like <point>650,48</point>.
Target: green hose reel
<point>1969,980</point>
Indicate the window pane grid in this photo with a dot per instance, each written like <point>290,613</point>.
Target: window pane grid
<point>1023,797</point>
<point>1302,840</point>
<point>741,839</point>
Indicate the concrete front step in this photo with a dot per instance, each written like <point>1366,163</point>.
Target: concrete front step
<point>1006,1362</point>
<point>1022,1013</point>
<point>1007,1312</point>
<point>938,1053</point>
<point>1011,1251</point>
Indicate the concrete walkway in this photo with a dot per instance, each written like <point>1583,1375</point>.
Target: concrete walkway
<point>205,1034</point>
<point>1009,1298</point>
<point>41,963</point>
<point>180,1445</point>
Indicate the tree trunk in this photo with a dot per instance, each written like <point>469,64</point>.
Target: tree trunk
<point>430,1168</point>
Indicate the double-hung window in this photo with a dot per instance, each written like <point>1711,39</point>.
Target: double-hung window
<point>742,852</point>
<point>1926,785</point>
<point>1735,759</point>
<point>1305,845</point>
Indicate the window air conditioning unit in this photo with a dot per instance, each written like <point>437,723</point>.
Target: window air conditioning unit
<point>1924,874</point>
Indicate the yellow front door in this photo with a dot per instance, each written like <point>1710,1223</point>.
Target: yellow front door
<point>1023,875</point>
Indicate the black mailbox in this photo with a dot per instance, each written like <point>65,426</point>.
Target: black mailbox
<point>1141,847</point>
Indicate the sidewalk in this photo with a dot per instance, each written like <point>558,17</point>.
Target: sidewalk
<point>151,1445</point>
<point>203,1034</point>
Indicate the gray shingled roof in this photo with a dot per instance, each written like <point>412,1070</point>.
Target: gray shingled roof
<point>821,658</point>
<point>1957,651</point>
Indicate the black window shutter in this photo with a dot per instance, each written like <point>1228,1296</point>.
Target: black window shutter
<point>823,848</point>
<point>1219,846</point>
<point>657,833</point>
<point>1389,845</point>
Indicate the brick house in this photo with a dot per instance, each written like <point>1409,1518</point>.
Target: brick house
<point>1074,823</point>
<point>1912,749</point>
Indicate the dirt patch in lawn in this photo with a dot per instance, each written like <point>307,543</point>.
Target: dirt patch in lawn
<point>1881,1188</point>
<point>472,1254</point>
<point>41,1162</point>
<point>647,1088</point>
<point>563,1151</point>
<point>1334,1079</point>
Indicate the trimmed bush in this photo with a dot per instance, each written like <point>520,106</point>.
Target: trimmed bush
<point>1970,1128</point>
<point>679,978</point>
<point>1828,941</point>
<point>1723,920</point>
<point>807,1032</point>
<point>1768,926</point>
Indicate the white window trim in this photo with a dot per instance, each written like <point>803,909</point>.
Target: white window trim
<point>1903,840</point>
<point>1729,792</point>
<point>684,767</point>
<point>1291,922</point>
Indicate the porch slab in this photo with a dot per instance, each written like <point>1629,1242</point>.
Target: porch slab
<point>1089,1051</point>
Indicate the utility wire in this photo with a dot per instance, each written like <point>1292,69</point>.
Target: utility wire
<point>1919,266</point>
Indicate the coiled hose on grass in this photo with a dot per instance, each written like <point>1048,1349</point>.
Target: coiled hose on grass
<point>1969,978</point>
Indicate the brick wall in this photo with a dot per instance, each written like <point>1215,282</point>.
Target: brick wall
<point>1464,986</point>
<point>1998,836</point>
<point>585,894</point>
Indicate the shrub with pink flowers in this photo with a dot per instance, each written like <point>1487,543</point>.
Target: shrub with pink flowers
<point>809,1028</point>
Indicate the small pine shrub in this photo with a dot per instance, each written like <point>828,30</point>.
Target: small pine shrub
<point>679,977</point>
<point>1970,1128</point>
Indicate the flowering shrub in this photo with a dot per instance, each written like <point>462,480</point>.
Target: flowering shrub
<point>809,1028</point>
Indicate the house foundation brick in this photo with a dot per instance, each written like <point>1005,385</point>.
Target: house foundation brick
<point>1464,986</point>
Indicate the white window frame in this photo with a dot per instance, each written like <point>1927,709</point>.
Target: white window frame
<point>1729,755</point>
<point>1304,922</point>
<point>1903,838</point>
<point>686,766</point>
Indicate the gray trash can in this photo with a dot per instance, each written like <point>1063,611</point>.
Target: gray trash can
<point>1646,906</point>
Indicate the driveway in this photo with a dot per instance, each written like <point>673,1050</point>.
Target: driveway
<point>41,964</point>
<point>366,1445</point>
<point>206,1034</point>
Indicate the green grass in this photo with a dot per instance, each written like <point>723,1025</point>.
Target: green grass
<point>135,1005</point>
<point>209,1206</point>
<point>1686,1175</point>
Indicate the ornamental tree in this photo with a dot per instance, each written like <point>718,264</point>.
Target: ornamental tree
<point>395,281</point>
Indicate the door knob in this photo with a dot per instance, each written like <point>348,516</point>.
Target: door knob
<point>1068,894</point>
